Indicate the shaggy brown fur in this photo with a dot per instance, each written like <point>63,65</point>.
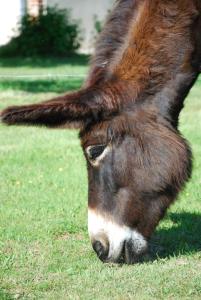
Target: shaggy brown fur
<point>147,59</point>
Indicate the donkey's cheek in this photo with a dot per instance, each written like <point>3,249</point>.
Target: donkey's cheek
<point>109,238</point>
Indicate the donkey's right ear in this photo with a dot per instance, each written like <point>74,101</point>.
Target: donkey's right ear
<point>79,107</point>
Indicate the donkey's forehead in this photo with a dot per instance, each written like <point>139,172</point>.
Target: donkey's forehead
<point>125,124</point>
<point>103,132</point>
<point>96,134</point>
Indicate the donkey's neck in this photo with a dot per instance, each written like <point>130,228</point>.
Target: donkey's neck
<point>151,46</point>
<point>160,61</point>
<point>169,101</point>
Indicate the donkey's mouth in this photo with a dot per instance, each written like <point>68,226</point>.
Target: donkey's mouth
<point>127,254</point>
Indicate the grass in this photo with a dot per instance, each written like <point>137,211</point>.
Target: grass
<point>45,252</point>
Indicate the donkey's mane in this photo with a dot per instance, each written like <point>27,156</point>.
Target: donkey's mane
<point>111,38</point>
<point>148,46</point>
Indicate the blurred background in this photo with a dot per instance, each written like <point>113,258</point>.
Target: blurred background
<point>87,15</point>
<point>45,45</point>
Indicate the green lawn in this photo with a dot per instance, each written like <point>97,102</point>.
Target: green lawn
<point>45,251</point>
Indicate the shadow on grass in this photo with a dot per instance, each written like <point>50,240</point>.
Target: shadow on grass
<point>44,62</point>
<point>41,86</point>
<point>183,238</point>
<point>4,295</point>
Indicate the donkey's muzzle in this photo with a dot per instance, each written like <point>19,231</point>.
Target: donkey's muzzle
<point>113,242</point>
<point>127,253</point>
<point>101,250</point>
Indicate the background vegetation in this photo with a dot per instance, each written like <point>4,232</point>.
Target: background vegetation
<point>45,252</point>
<point>52,33</point>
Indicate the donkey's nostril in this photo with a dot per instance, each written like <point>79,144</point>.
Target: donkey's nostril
<point>102,251</point>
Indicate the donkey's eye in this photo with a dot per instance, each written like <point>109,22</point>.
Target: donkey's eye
<point>94,152</point>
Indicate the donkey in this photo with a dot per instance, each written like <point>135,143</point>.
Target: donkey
<point>147,59</point>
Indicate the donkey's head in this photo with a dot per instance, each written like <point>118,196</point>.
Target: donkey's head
<point>135,166</point>
<point>135,169</point>
<point>147,59</point>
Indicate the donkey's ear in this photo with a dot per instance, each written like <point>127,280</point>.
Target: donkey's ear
<point>78,107</point>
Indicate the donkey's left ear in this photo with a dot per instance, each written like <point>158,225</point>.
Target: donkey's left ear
<point>87,104</point>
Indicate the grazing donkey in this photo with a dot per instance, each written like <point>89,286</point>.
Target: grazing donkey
<point>147,59</point>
